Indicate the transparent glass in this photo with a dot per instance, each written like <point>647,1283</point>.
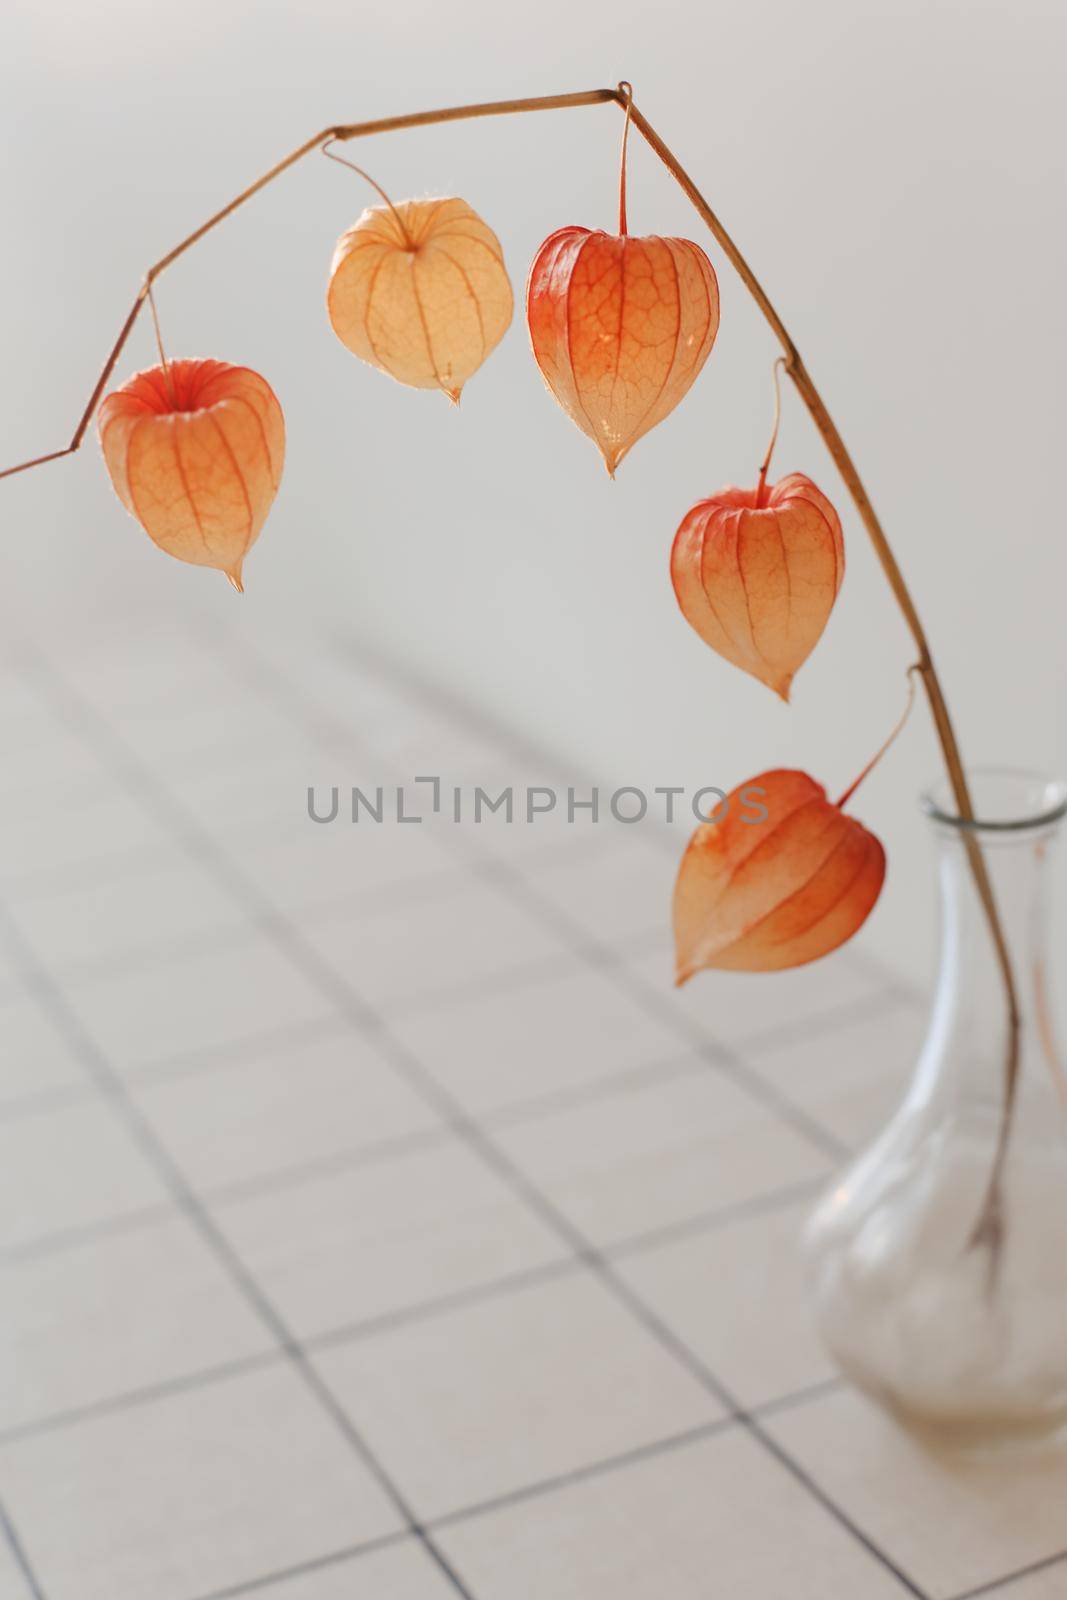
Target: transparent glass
<point>957,1335</point>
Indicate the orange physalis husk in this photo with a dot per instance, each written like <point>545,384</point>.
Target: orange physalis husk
<point>756,574</point>
<point>620,328</point>
<point>420,290</point>
<point>195,452</point>
<point>758,894</point>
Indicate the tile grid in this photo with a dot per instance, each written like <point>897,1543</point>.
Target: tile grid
<point>604,956</point>
<point>160,801</point>
<point>186,1200</point>
<point>583,1253</point>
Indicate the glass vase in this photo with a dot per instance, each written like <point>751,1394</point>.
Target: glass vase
<point>938,1276</point>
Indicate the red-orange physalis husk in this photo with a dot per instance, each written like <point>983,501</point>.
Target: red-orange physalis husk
<point>784,878</point>
<point>420,290</point>
<point>620,327</point>
<point>756,574</point>
<point>195,452</point>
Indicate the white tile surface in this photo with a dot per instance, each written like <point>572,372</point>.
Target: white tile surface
<point>165,901</point>
<point>384,1236</point>
<point>613,889</point>
<point>567,1031</point>
<point>191,1493</point>
<point>306,864</point>
<point>13,1584</point>
<point>68,1168</point>
<point>420,950</point>
<point>252,790</point>
<point>36,1059</point>
<point>952,1523</point>
<point>46,769</point>
<point>735,1295</point>
<point>1050,1583</point>
<point>659,1154</point>
<point>735,1007</point>
<point>495,1368</point>
<point>120,1313</point>
<point>290,1103</point>
<point>397,1572</point>
<point>157,669</point>
<point>41,849</point>
<point>206,717</point>
<point>718,1517</point>
<point>486,1399</point>
<point>205,1000</point>
<point>850,1078</point>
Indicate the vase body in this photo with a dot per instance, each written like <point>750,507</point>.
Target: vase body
<point>939,1292</point>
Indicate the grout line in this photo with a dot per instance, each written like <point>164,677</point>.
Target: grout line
<point>532,1491</point>
<point>76,1237</point>
<point>712,1220</point>
<point>593,1469</point>
<point>278,1179</point>
<point>43,1102</point>
<point>22,1561</point>
<point>335,1558</point>
<point>511,880</point>
<point>1003,1585</point>
<point>242,1052</point>
<point>770,1040</point>
<point>159,800</point>
<point>131,1399</point>
<point>296,1176</point>
<point>557,1220</point>
<point>114,1089</point>
<point>443,1305</point>
<point>714,1056</point>
<point>420,1311</point>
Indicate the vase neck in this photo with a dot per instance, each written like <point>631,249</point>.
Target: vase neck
<point>970,1022</point>
<point>1020,876</point>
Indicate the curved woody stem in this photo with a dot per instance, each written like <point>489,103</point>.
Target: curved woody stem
<point>987,1230</point>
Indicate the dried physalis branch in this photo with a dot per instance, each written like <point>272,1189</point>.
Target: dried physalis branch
<point>620,327</point>
<point>782,878</point>
<point>419,289</point>
<point>195,452</point>
<point>756,571</point>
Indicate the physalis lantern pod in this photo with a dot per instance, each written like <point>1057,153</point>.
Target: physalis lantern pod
<point>756,573</point>
<point>620,328</point>
<point>195,452</point>
<point>420,290</point>
<point>783,878</point>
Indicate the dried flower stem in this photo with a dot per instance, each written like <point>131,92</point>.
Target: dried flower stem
<point>627,90</point>
<point>375,185</point>
<point>898,729</point>
<point>987,1229</point>
<point>765,464</point>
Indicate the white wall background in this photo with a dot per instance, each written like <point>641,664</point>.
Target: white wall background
<point>895,174</point>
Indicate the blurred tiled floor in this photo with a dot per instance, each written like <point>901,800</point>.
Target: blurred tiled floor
<point>376,1223</point>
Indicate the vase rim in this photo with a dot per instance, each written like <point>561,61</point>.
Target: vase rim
<point>1007,800</point>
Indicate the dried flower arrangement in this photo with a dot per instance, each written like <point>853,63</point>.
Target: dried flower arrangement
<point>620,327</point>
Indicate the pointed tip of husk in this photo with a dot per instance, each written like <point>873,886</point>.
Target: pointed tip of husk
<point>682,975</point>
<point>452,394</point>
<point>234,579</point>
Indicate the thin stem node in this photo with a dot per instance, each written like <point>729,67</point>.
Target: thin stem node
<point>914,671</point>
<point>343,161</point>
<point>781,361</point>
<point>164,363</point>
<point>626,92</point>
